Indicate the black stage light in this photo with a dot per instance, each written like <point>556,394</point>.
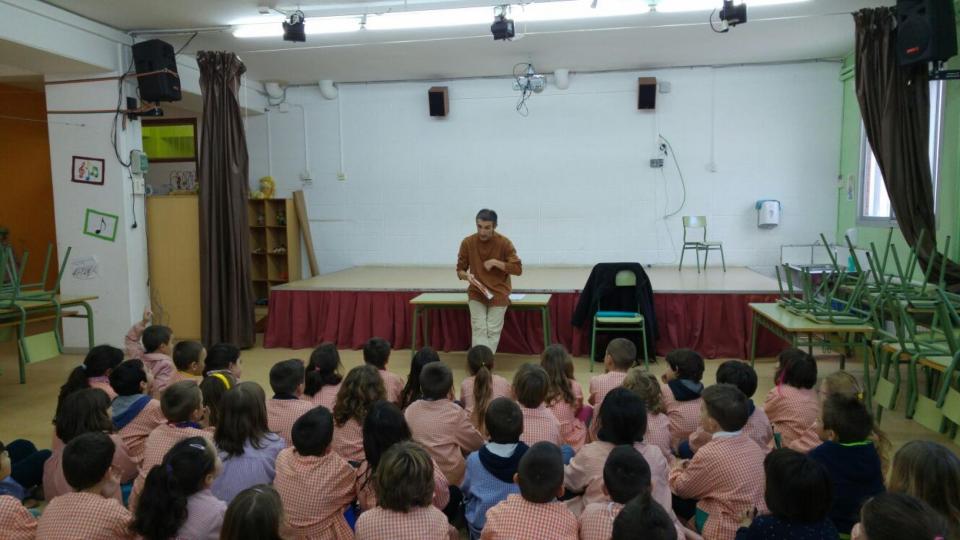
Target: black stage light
<point>502,27</point>
<point>732,14</point>
<point>293,28</point>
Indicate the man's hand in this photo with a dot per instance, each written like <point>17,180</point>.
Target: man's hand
<point>464,275</point>
<point>490,264</point>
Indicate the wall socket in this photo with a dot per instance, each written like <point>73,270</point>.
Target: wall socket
<point>656,163</point>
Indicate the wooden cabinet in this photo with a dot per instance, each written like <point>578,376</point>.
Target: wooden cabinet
<point>173,247</point>
<point>274,245</point>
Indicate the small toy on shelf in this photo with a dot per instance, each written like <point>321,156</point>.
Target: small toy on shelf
<point>267,188</point>
<point>282,218</point>
<point>261,220</point>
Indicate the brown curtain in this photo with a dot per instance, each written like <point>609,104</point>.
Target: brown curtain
<point>225,288</point>
<point>895,106</point>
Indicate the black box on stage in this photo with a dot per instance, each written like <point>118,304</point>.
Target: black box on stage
<point>926,31</point>
<point>156,55</point>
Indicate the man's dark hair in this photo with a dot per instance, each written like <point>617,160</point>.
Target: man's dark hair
<point>504,421</point>
<point>687,363</point>
<point>87,458</point>
<point>125,379</point>
<point>376,352</point>
<point>847,417</point>
<point>220,356</point>
<point>313,432</point>
<point>739,374</point>
<point>727,405</point>
<point>186,353</point>
<point>799,489</point>
<point>540,473</point>
<point>487,214</point>
<point>154,336</point>
<point>626,474</point>
<point>286,376</point>
<point>436,380</point>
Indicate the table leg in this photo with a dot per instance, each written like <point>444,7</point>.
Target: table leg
<point>426,327</point>
<point>413,334</point>
<point>867,386</point>
<point>545,321</point>
<point>753,338</point>
<point>90,337</point>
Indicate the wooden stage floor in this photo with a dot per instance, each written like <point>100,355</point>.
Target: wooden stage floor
<point>664,279</point>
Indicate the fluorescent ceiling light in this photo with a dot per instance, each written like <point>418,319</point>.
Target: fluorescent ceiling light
<point>436,18</point>
<point>674,6</point>
<point>312,26</point>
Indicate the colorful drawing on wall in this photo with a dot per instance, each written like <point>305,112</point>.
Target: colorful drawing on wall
<point>100,225</point>
<point>87,170</point>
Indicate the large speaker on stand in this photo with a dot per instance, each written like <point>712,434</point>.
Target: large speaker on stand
<point>152,56</point>
<point>926,31</point>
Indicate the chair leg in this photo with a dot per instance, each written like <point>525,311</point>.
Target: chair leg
<point>680,266</point>
<point>706,255</point>
<point>646,360</point>
<point>698,260</point>
<point>723,260</point>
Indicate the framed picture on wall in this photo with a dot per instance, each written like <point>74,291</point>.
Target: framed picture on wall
<point>100,225</point>
<point>87,170</point>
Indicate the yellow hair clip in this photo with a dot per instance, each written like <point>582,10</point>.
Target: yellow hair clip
<point>222,377</point>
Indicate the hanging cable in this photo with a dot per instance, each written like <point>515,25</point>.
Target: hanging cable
<point>683,182</point>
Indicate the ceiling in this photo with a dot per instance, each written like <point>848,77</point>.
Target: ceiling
<point>816,29</point>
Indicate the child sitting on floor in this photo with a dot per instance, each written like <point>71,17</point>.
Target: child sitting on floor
<point>621,355</point>
<point>213,387</point>
<point>681,393</point>
<point>16,522</point>
<point>224,357</point>
<point>643,514</point>
<point>286,405</point>
<point>930,472</point>
<point>376,353</point>
<point>188,357</point>
<point>315,484</point>
<point>155,351</point>
<point>743,376</point>
<point>323,376</point>
<point>531,384</point>
<point>648,388</point>
<point>93,510</point>
<point>411,391</point>
<point>256,512</point>
<point>792,405</point>
<point>897,516</point>
<point>135,413</point>
<point>726,475</point>
<point>626,475</point>
<point>842,382</point>
<point>404,484</point>
<point>440,425</point>
<point>565,396</point>
<point>362,387</point>
<point>535,512</point>
<point>181,504</point>
<point>798,494</point>
<point>93,373</point>
<point>490,470</point>
<point>483,385</point>
<point>850,458</point>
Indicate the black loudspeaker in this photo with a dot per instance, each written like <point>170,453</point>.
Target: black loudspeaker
<point>926,31</point>
<point>151,56</point>
<point>438,100</point>
<point>647,95</point>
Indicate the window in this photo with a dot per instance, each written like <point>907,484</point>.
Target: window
<point>874,208</point>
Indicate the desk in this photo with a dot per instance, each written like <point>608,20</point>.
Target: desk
<point>24,311</point>
<point>789,326</point>
<point>423,303</point>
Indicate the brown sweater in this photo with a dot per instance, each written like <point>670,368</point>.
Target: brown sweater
<point>472,255</point>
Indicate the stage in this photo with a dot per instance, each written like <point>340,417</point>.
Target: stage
<point>707,311</point>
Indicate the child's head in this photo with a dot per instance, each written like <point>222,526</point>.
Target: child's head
<point>436,380</point>
<point>556,361</point>
<point>643,514</point>
<point>223,357</point>
<point>621,355</point>
<point>313,432</point>
<point>404,478</point>
<point>213,387</point>
<point>623,417</point>
<point>480,365</point>
<point>929,472</point>
<point>897,516</point>
<point>412,391</point>
<point>684,364</point>
<point>243,418</point>
<point>739,374</point>
<point>182,402</point>
<point>841,382</point>
<point>796,368</point>
<point>188,356</point>
<point>479,356</point>
<point>255,512</point>
<point>287,377</point>
<point>383,427</point>
<point>87,463</point>
<point>84,411</point>
<point>359,390</point>
<point>626,474</point>
<point>189,467</point>
<point>504,421</point>
<point>99,362</point>
<point>725,408</point>
<point>540,473</point>
<point>323,369</point>
<point>157,338</point>
<point>647,387</point>
<point>798,489</point>
<point>845,420</point>
<point>129,378</point>
<point>530,384</point>
<point>376,352</point>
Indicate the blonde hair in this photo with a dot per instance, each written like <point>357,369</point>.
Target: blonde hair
<point>647,387</point>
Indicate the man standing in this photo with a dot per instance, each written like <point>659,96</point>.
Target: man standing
<point>487,259</point>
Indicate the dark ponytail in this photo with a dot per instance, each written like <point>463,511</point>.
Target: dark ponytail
<point>480,364</point>
<point>412,391</point>
<point>169,485</point>
<point>323,369</point>
<point>98,362</point>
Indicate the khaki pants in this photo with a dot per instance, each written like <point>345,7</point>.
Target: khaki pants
<point>487,323</point>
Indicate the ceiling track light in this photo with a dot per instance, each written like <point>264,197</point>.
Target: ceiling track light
<point>502,27</point>
<point>730,15</point>
<point>293,27</point>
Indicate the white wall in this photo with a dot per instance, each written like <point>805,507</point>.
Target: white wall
<point>571,181</point>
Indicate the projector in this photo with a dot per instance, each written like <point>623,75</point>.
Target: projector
<point>532,82</point>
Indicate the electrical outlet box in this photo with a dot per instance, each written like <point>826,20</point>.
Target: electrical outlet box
<point>139,163</point>
<point>656,163</point>
<point>138,185</point>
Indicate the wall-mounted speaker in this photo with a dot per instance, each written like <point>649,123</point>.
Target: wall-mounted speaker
<point>647,93</point>
<point>438,100</point>
<point>156,55</point>
<point>926,31</point>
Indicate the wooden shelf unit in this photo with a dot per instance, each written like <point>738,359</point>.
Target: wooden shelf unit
<point>273,225</point>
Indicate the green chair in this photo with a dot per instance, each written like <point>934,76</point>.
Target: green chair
<point>619,321</point>
<point>700,222</point>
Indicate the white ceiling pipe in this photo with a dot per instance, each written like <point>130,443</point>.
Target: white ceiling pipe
<point>327,89</point>
<point>561,78</point>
